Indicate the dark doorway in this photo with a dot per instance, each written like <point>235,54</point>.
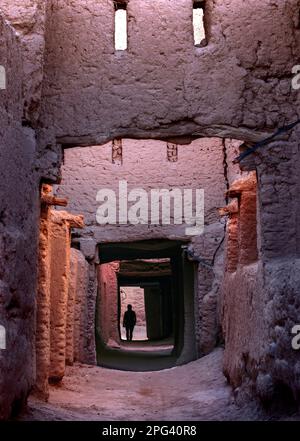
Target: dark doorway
<point>147,286</point>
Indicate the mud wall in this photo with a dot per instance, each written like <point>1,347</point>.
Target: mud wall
<point>145,165</point>
<point>135,97</point>
<point>225,88</point>
<point>18,231</point>
<point>261,300</point>
<point>238,86</point>
<point>59,289</point>
<point>28,19</point>
<point>78,288</point>
<point>61,317</point>
<point>107,306</point>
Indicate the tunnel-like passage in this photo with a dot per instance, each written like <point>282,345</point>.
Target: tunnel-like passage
<point>164,303</point>
<point>147,286</point>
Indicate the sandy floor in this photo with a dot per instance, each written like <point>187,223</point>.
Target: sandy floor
<point>197,391</point>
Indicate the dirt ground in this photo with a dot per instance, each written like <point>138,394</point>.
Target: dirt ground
<point>196,391</point>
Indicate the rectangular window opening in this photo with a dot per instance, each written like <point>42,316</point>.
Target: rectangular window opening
<point>117,151</point>
<point>120,26</point>
<point>198,23</point>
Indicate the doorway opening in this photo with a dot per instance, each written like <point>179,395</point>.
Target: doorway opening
<point>146,285</point>
<point>135,296</point>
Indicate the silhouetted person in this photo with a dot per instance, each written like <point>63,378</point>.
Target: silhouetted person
<point>129,322</point>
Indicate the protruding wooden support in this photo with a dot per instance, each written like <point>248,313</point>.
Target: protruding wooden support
<point>230,209</point>
<point>48,199</point>
<point>242,185</point>
<point>52,200</point>
<point>74,221</point>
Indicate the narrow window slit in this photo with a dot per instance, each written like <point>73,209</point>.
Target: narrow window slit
<point>117,152</point>
<point>198,24</point>
<point>120,26</point>
<point>172,152</point>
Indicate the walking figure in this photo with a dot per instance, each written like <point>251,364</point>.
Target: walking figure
<point>129,322</point>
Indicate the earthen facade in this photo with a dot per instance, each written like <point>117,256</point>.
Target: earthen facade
<point>67,88</point>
